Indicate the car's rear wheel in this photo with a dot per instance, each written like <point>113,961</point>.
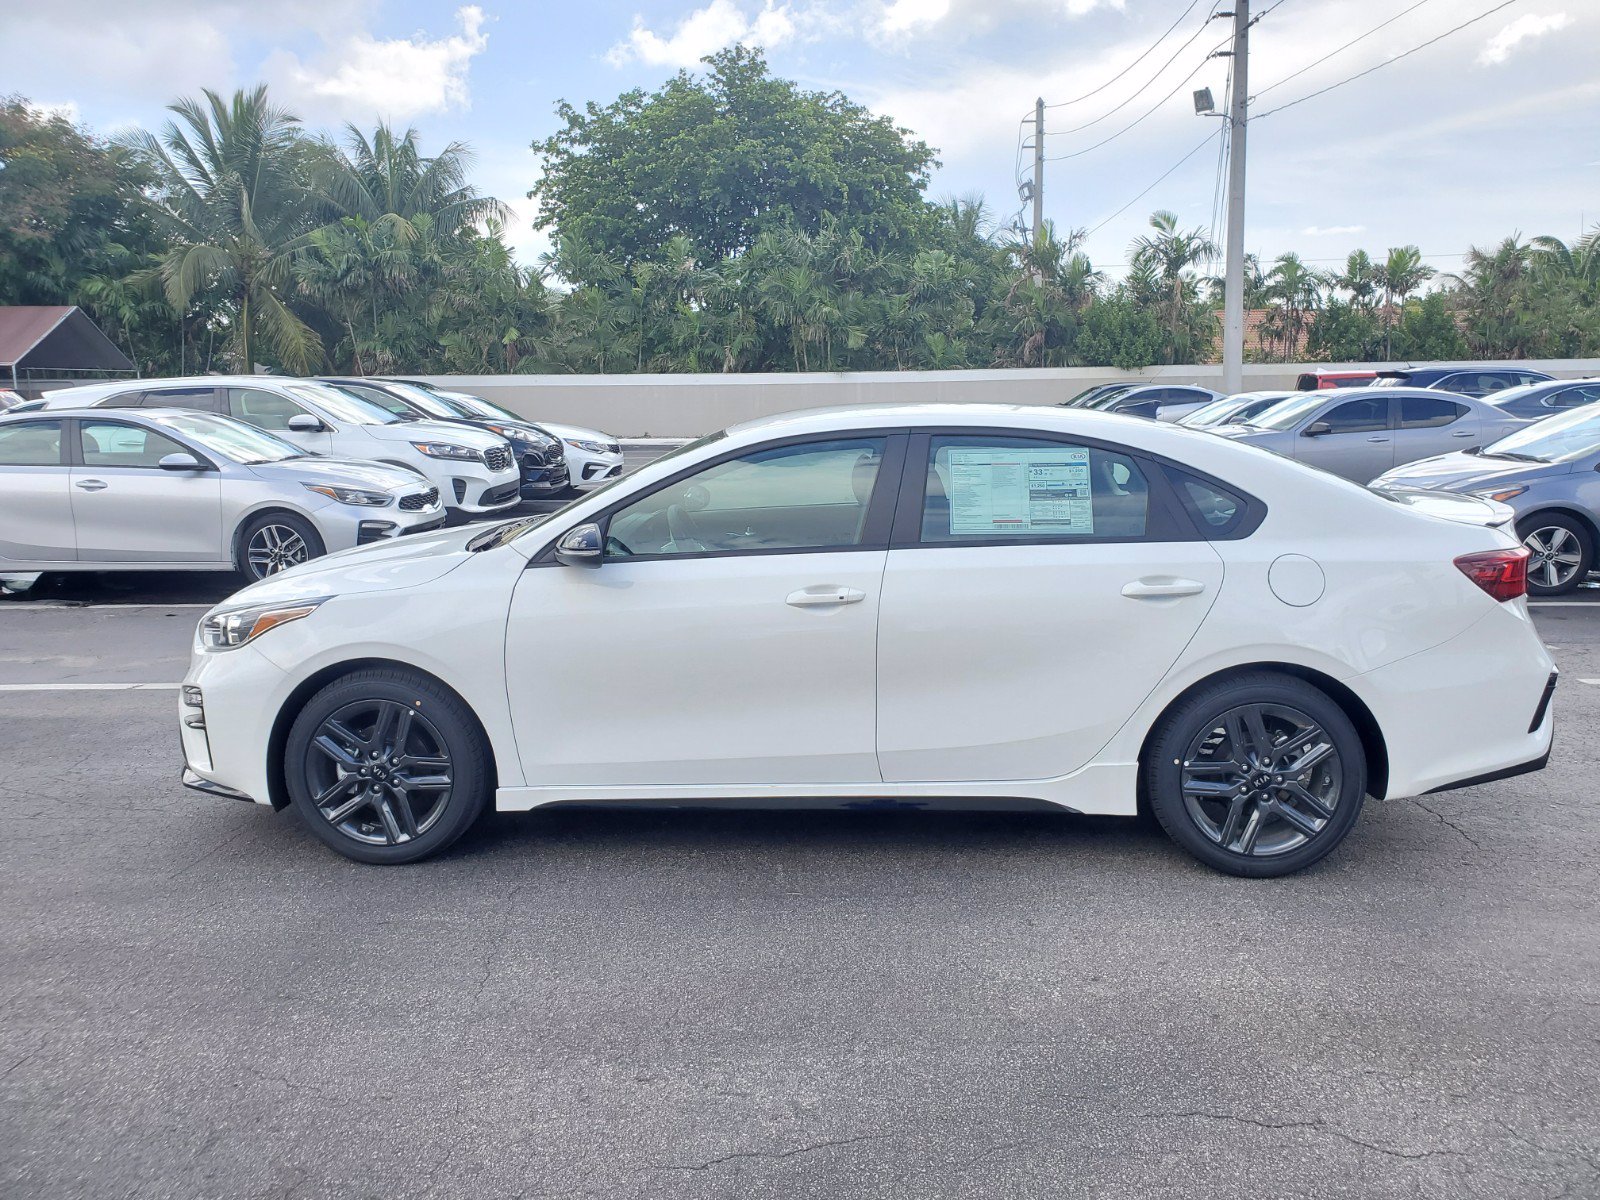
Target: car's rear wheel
<point>1258,775</point>
<point>387,766</point>
<point>1561,552</point>
<point>275,542</point>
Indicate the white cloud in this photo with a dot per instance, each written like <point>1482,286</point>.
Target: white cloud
<point>704,31</point>
<point>906,16</point>
<point>359,76</point>
<point>1331,230</point>
<point>1525,28</point>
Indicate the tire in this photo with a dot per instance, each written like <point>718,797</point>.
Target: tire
<point>274,542</point>
<point>1562,549</point>
<point>337,754</point>
<point>1250,822</point>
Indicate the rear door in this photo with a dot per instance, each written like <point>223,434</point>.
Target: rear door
<point>126,508</point>
<point>1036,590</point>
<point>1359,443</point>
<point>1429,425</point>
<point>35,503</point>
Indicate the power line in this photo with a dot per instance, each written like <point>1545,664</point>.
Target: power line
<point>1148,112</point>
<point>1144,87</point>
<point>1332,53</point>
<point>1158,179</point>
<point>1387,62</point>
<point>1147,52</point>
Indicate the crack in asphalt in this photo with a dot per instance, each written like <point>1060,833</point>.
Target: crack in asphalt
<point>779,1154</point>
<point>1319,1126</point>
<point>1444,820</point>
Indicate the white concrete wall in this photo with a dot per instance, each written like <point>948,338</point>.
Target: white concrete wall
<point>690,405</point>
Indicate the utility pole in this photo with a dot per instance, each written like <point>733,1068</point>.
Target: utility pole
<point>1038,165</point>
<point>1233,291</point>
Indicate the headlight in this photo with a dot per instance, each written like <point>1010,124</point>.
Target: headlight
<point>448,450</point>
<point>590,447</point>
<point>1501,494</point>
<point>349,495</point>
<point>232,628</point>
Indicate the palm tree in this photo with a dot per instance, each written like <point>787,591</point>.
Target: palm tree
<point>232,196</point>
<point>1168,260</point>
<point>1577,264</point>
<point>1296,291</point>
<point>1400,274</point>
<point>1359,278</point>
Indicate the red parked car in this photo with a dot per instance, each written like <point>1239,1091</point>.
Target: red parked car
<point>1313,381</point>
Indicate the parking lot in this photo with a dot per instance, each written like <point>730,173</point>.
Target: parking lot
<point>201,1000</point>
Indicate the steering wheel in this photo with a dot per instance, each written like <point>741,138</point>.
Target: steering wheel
<point>680,525</point>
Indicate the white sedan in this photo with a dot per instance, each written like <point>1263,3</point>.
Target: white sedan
<point>918,605</point>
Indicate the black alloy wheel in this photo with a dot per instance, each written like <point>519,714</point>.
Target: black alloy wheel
<point>1260,775</point>
<point>387,766</point>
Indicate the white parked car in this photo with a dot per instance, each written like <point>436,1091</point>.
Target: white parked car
<point>96,490</point>
<point>592,457</point>
<point>953,604</point>
<point>474,470</point>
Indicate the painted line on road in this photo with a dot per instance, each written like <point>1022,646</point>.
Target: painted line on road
<point>52,606</point>
<point>1563,604</point>
<point>1591,682</point>
<point>89,687</point>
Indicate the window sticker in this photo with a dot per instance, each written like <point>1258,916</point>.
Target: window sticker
<point>1020,491</point>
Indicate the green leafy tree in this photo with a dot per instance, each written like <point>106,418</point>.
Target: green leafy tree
<point>231,194</point>
<point>722,159</point>
<point>1163,273</point>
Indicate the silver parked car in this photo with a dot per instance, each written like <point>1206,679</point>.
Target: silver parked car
<point>92,490</point>
<point>1235,409</point>
<point>1549,473</point>
<point>1360,433</point>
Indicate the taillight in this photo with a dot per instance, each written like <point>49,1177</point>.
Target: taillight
<point>1501,573</point>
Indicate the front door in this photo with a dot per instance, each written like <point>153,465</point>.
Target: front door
<point>1359,444</point>
<point>727,638</point>
<point>273,411</point>
<point>128,509</point>
<point>1036,592</point>
<point>35,508</point>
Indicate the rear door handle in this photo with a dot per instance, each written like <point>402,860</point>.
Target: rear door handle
<point>815,597</point>
<point>1157,587</point>
<point>92,485</point>
<point>1377,439</point>
<point>1462,433</point>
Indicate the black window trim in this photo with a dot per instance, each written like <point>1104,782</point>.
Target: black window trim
<point>874,536</point>
<point>151,398</point>
<point>74,446</point>
<point>42,417</point>
<point>1166,520</point>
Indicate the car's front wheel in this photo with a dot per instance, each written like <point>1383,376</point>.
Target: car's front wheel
<point>387,766</point>
<point>1258,775</point>
<point>1561,552</point>
<point>275,542</point>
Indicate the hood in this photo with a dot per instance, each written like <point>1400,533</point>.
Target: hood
<point>578,432</point>
<point>1244,433</point>
<point>409,561</point>
<point>463,434</point>
<point>1468,472</point>
<point>341,472</point>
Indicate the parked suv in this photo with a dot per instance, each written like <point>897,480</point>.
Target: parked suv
<point>1464,381</point>
<point>474,470</point>
<point>544,466</point>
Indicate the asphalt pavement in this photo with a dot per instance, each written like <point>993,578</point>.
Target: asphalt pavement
<point>199,1000</point>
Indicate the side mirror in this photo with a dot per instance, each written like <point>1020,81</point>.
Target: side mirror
<point>180,462</point>
<point>305,423</point>
<point>581,546</point>
<point>1317,429</point>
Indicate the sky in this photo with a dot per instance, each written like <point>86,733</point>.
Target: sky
<point>1492,130</point>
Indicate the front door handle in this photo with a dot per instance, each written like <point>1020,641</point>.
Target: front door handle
<point>1462,433</point>
<point>1159,587</point>
<point>1377,439</point>
<point>815,597</point>
<point>93,485</point>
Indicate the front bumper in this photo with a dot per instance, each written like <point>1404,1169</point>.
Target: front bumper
<point>200,784</point>
<point>540,479</point>
<point>485,493</point>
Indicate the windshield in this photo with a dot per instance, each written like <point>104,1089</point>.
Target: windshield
<point>1561,438</point>
<point>1214,413</point>
<point>1291,412</point>
<point>485,408</point>
<point>341,405</point>
<point>234,440</point>
<point>1107,398</point>
<point>1512,394</point>
<point>429,402</point>
<point>1084,396</point>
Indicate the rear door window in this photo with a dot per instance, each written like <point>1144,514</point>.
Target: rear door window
<point>31,444</point>
<point>995,489</point>
<point>201,399</point>
<point>1426,412</point>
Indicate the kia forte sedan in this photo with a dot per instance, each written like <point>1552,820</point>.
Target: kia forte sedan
<point>985,606</point>
<point>106,490</point>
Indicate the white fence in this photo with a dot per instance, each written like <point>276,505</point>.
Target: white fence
<point>689,405</point>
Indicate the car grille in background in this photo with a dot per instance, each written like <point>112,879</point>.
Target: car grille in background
<point>498,458</point>
<point>419,500</point>
<point>502,494</point>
